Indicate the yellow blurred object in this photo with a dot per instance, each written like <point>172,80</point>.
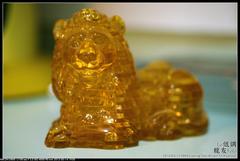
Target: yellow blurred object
<point>25,72</point>
<point>25,79</point>
<point>20,35</point>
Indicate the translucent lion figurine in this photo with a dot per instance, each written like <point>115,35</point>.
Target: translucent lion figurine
<point>105,103</point>
<point>171,102</point>
<point>94,77</point>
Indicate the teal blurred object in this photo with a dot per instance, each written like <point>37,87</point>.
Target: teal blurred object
<point>48,15</point>
<point>26,124</point>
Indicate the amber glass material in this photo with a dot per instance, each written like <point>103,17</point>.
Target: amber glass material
<point>93,75</point>
<point>171,102</point>
<point>105,104</point>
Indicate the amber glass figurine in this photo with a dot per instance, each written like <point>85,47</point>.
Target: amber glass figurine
<point>104,104</point>
<point>93,75</point>
<point>171,102</point>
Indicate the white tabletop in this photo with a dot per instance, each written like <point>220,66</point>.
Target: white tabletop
<point>26,123</point>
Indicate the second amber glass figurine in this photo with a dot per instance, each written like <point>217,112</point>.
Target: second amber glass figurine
<point>171,102</point>
<point>93,76</point>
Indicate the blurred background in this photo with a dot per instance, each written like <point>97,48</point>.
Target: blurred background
<point>200,37</point>
<point>197,36</point>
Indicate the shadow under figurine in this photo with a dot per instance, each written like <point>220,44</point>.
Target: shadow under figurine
<point>104,104</point>
<point>94,77</point>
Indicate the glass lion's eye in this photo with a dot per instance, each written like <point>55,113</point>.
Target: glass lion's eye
<point>76,40</point>
<point>81,37</point>
<point>75,43</point>
<point>100,38</point>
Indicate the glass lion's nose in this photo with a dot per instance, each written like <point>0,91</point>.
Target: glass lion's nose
<point>87,54</point>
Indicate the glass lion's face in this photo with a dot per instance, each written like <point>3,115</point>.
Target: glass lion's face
<point>91,49</point>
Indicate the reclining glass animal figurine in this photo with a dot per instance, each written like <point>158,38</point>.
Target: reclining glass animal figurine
<point>104,103</point>
<point>171,103</point>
